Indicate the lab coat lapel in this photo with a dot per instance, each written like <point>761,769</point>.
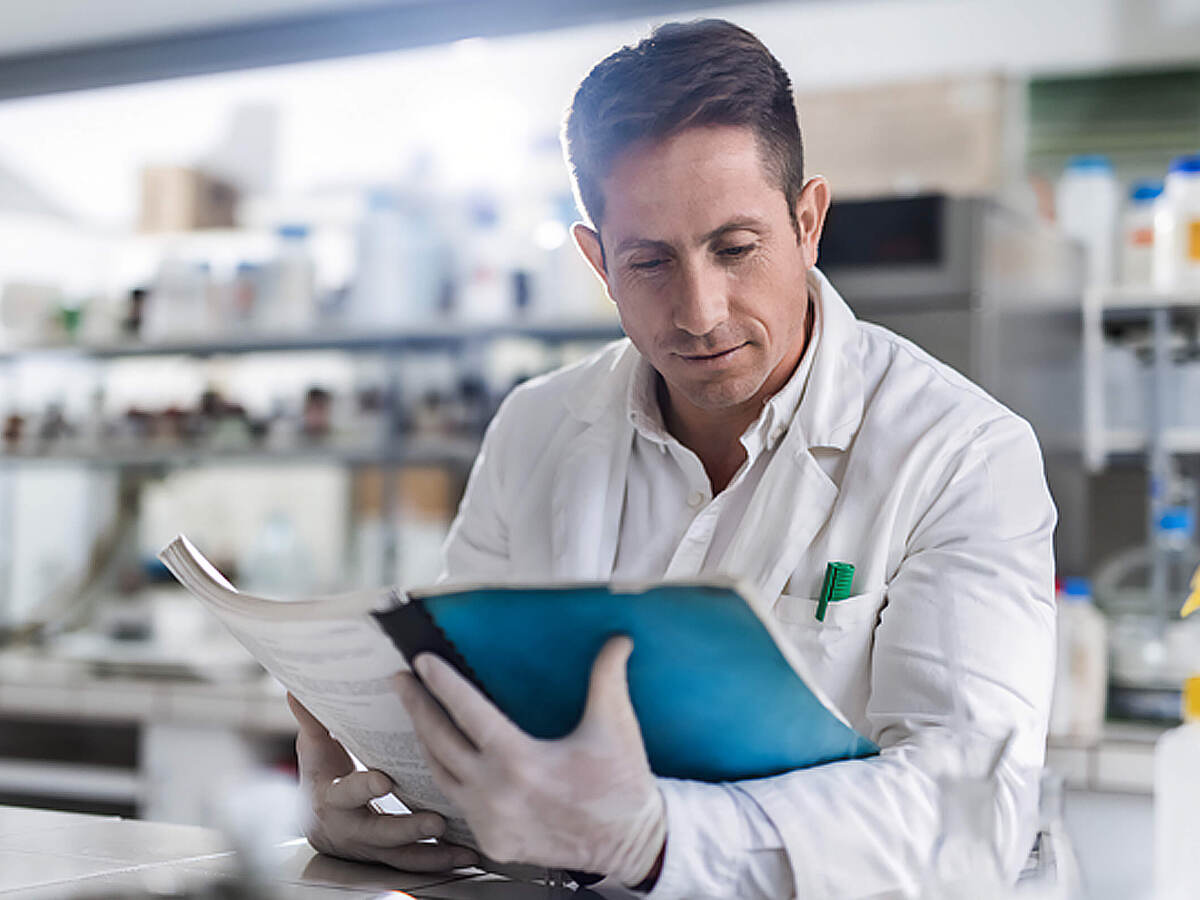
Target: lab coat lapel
<point>792,503</point>
<point>795,497</point>
<point>589,483</point>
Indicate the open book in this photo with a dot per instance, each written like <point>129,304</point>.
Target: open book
<point>719,693</point>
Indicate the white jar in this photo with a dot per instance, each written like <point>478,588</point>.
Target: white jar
<point>1177,228</point>
<point>1081,673</point>
<point>1086,200</point>
<point>1137,234</point>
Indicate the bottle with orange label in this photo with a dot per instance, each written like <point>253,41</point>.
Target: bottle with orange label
<point>1137,233</point>
<point>1177,228</point>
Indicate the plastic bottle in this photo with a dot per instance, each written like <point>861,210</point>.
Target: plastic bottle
<point>1081,678</point>
<point>1137,234</point>
<point>291,302</point>
<point>398,275</point>
<point>1177,228</point>
<point>1177,803</point>
<point>1087,198</point>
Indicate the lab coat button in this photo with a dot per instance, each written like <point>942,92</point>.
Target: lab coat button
<point>695,498</point>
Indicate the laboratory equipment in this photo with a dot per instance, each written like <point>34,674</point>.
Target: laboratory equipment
<point>1086,200</point>
<point>1177,802</point>
<point>992,292</point>
<point>1151,651</point>
<point>1177,227</point>
<point>1081,675</point>
<point>1137,234</point>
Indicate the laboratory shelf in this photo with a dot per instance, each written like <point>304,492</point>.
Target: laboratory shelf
<point>434,336</point>
<point>1134,443</point>
<point>452,451</point>
<point>1117,299</point>
<point>72,781</point>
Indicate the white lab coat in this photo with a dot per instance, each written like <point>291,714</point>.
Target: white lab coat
<point>894,462</point>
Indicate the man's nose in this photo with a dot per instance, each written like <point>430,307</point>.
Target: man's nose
<point>701,303</point>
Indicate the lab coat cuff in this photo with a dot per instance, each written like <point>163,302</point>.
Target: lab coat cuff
<point>804,856</point>
<point>697,860</point>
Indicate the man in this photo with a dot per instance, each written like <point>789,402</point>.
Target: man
<point>749,426</point>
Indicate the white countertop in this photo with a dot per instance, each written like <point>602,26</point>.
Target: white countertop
<point>51,855</point>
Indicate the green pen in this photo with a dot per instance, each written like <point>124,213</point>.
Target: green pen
<point>838,576</point>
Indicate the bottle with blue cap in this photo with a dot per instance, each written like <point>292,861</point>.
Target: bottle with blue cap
<point>1081,670</point>
<point>1177,228</point>
<point>1086,202</point>
<point>1137,233</point>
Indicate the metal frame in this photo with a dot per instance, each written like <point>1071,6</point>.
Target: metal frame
<point>371,29</point>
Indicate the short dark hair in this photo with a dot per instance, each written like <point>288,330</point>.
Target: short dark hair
<point>685,74</point>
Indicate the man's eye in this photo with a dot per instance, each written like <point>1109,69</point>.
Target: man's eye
<point>735,252</point>
<point>648,265</point>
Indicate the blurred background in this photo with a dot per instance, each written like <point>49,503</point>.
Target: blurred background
<point>268,267</point>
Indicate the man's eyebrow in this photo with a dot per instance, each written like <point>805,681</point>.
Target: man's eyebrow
<point>642,244</point>
<point>742,222</point>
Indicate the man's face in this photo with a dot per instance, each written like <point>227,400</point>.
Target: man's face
<point>705,266</point>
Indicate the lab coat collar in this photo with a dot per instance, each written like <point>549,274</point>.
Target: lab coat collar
<point>607,384</point>
<point>832,406</point>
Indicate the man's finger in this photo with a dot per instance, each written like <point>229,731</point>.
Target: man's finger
<point>306,720</point>
<point>386,831</point>
<point>608,690</point>
<point>357,789</point>
<point>427,857</point>
<point>441,738</point>
<point>320,756</point>
<point>479,720</point>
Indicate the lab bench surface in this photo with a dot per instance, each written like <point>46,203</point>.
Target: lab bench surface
<point>52,855</point>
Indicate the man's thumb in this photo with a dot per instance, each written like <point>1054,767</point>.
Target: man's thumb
<point>608,690</point>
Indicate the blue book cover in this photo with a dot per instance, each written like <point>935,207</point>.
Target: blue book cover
<point>718,692</point>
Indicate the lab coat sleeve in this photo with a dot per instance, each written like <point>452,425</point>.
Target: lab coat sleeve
<point>720,844</point>
<point>976,582</point>
<point>978,560</point>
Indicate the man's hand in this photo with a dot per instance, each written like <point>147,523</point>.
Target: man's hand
<point>586,802</point>
<point>342,822</point>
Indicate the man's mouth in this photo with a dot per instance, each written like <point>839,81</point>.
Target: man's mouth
<point>703,357</point>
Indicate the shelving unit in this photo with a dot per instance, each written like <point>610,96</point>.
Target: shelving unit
<point>178,721</point>
<point>390,450</point>
<point>433,336</point>
<point>1156,309</point>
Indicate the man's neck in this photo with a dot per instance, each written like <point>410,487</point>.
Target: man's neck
<point>715,438</point>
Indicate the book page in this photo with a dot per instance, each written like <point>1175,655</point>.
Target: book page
<point>341,666</point>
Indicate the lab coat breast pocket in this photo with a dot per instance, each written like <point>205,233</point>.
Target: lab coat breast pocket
<point>837,650</point>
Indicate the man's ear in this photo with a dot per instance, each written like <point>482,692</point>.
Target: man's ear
<point>588,242</point>
<point>811,208</point>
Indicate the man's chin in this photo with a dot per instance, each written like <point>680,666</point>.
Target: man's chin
<point>719,396</point>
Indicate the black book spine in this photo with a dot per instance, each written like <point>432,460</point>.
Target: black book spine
<point>413,630</point>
